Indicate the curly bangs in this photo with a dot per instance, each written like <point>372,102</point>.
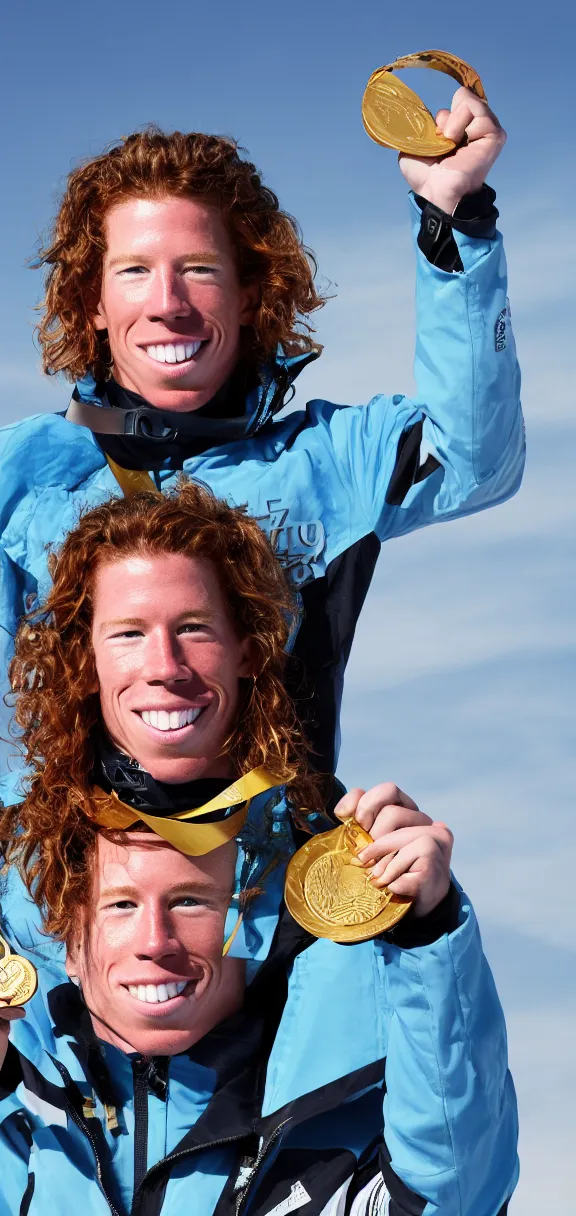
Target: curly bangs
<point>151,163</point>
<point>50,836</point>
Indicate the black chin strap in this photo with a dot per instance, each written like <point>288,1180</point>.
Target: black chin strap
<point>158,427</point>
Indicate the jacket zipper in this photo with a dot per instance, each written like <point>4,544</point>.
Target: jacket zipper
<point>262,1153</point>
<point>140,1080</point>
<point>172,1157</point>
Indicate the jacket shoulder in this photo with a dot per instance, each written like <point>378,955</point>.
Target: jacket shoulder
<point>45,450</point>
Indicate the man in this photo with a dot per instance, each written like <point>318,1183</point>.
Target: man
<point>178,296</point>
<point>209,1052</point>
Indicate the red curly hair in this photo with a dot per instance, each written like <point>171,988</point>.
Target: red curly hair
<point>152,163</point>
<point>51,836</point>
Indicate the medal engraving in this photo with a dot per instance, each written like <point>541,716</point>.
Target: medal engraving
<point>341,893</point>
<point>329,892</point>
<point>18,978</point>
<point>395,117</point>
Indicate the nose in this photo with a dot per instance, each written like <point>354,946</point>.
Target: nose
<point>168,300</point>
<point>163,661</point>
<point>154,936</point>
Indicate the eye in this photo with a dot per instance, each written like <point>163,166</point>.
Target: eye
<point>188,901</point>
<point>123,905</point>
<point>192,627</point>
<point>128,633</point>
<point>132,270</point>
<point>201,270</point>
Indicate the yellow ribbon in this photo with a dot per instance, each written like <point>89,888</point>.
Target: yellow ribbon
<point>193,839</point>
<point>132,481</point>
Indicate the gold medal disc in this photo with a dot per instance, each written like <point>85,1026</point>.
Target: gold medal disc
<point>329,893</point>
<point>18,977</point>
<point>395,117</point>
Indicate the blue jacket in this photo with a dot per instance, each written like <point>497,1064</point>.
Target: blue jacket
<point>366,1079</point>
<point>328,483</point>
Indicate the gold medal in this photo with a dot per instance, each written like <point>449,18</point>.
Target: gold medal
<point>329,893</point>
<point>395,117</point>
<point>18,977</point>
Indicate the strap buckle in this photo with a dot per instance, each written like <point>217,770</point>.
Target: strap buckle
<point>143,424</point>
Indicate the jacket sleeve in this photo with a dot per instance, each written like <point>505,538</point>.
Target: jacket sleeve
<point>458,446</point>
<point>15,586</point>
<point>450,1108</point>
<point>15,1145</point>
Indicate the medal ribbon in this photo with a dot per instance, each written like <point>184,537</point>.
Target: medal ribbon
<point>132,481</point>
<point>193,839</point>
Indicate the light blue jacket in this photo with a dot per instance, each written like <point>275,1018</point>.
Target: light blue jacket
<point>379,1074</point>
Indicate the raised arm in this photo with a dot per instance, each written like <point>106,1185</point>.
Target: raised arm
<point>458,445</point>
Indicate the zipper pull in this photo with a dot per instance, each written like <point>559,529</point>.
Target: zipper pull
<point>111,1118</point>
<point>89,1108</point>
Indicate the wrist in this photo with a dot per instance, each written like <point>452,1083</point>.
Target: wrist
<point>413,931</point>
<point>443,198</point>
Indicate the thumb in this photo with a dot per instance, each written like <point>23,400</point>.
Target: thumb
<point>348,804</point>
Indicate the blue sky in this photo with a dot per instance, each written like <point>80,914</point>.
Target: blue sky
<point>460,687</point>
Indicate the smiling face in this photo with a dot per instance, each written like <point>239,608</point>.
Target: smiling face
<point>171,300</point>
<point>149,957</point>
<point>168,663</point>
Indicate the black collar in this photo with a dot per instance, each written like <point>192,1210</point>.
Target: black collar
<point>116,772</point>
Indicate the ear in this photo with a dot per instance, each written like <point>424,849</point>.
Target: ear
<point>71,961</point>
<point>99,319</point>
<point>250,302</point>
<point>247,659</point>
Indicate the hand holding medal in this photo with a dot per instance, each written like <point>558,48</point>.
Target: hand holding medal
<point>445,157</point>
<point>18,981</point>
<point>360,879</point>
<point>18,978</point>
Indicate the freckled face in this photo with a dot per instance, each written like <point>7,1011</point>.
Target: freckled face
<point>150,955</point>
<point>168,662</point>
<point>171,300</point>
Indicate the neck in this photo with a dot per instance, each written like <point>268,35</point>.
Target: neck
<point>134,785</point>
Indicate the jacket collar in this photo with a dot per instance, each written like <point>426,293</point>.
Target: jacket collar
<point>266,398</point>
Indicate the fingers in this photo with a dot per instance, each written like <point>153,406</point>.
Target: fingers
<point>10,1013</point>
<point>414,846</point>
<point>389,824</point>
<point>366,805</point>
<point>470,117</point>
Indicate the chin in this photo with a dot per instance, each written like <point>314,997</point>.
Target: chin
<point>177,771</point>
<point>164,1042</point>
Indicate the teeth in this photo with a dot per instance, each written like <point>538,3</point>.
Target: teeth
<point>171,352</point>
<point>175,720</point>
<point>156,994</point>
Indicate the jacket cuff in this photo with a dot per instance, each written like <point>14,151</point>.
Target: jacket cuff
<point>413,931</point>
<point>475,216</point>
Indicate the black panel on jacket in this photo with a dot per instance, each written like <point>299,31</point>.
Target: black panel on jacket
<point>408,471</point>
<point>10,1073</point>
<point>332,605</point>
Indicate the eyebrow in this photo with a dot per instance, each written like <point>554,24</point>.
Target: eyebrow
<point>195,887</point>
<point>134,259</point>
<point>138,620</point>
